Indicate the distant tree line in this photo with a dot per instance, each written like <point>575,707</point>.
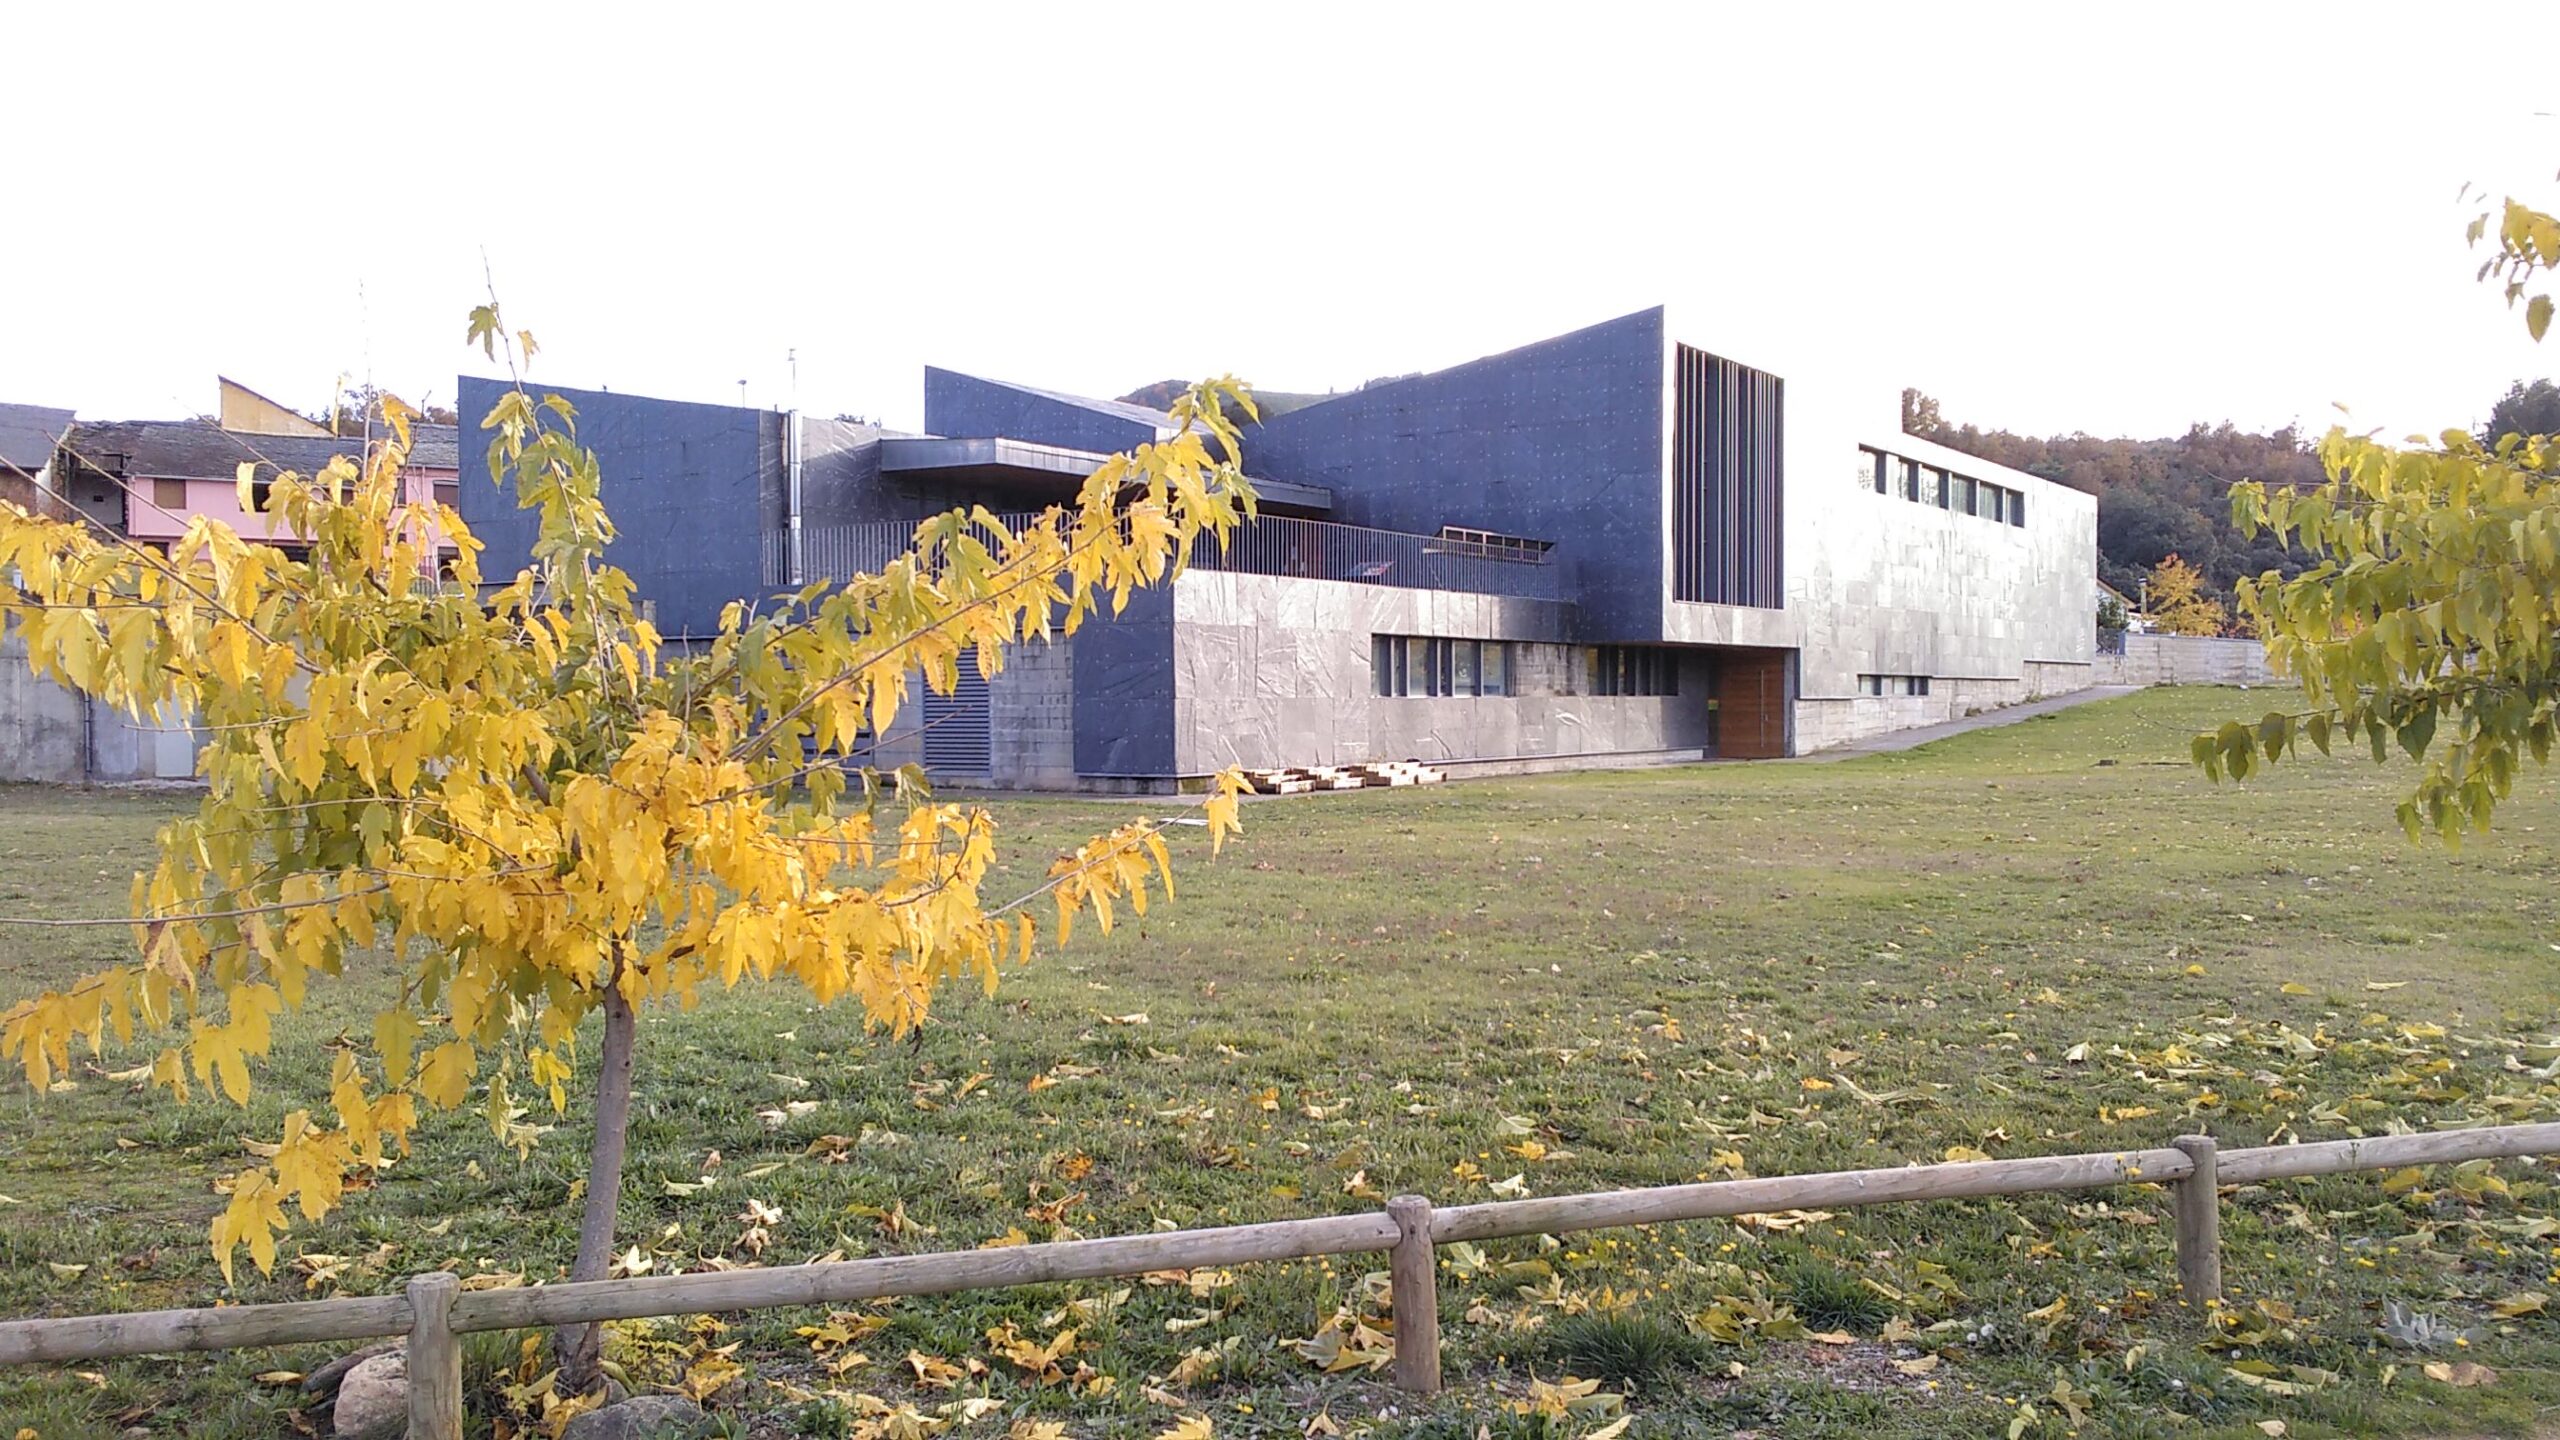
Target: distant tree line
<point>2172,497</point>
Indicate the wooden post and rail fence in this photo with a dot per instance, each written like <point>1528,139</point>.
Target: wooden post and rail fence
<point>435,1311</point>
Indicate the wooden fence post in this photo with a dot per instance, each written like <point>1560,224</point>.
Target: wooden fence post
<point>1413,1277</point>
<point>435,1359</point>
<point>2199,1212</point>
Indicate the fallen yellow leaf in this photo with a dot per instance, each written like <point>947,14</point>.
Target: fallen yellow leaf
<point>2461,1374</point>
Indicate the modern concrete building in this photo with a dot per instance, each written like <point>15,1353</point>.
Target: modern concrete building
<point>1611,547</point>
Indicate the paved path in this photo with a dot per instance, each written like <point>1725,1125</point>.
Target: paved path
<point>1907,739</point>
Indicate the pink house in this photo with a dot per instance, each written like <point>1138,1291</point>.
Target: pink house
<point>149,479</point>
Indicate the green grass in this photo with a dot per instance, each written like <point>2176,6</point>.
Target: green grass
<point>1656,975</point>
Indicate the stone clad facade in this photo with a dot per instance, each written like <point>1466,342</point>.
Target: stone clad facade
<point>1615,546</point>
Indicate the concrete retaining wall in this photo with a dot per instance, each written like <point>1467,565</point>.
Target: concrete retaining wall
<point>1822,724</point>
<point>2185,660</point>
<point>50,735</point>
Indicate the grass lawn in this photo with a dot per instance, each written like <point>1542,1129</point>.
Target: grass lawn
<point>2053,936</point>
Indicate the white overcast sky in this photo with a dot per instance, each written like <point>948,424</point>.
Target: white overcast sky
<point>2116,219</point>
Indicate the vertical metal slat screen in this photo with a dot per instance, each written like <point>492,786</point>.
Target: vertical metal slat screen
<point>1728,472</point>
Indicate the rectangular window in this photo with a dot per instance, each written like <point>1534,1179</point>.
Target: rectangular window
<point>170,495</point>
<point>1995,503</point>
<point>1875,470</point>
<point>1967,495</point>
<point>2017,509</point>
<point>1386,665</point>
<point>1934,489</point>
<point>449,494</point>
<point>1415,665</point>
<point>1893,685</point>
<point>1910,479</point>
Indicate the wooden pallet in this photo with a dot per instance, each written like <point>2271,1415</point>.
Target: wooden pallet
<point>1308,779</point>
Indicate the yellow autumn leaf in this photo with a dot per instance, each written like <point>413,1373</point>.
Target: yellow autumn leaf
<point>446,1077</point>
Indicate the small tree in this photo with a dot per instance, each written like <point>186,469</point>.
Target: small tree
<point>543,811</point>
<point>2429,614</point>
<point>2177,602</point>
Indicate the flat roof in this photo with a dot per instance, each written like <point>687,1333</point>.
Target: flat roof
<point>999,458</point>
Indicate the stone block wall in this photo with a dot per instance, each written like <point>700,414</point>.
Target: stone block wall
<point>2186,660</point>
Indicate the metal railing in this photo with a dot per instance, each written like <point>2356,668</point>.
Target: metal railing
<point>434,1310</point>
<point>1272,545</point>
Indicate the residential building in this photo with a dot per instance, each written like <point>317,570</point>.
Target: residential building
<point>1608,547</point>
<point>148,480</point>
<point>27,437</point>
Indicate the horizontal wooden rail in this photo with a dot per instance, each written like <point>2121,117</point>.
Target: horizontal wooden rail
<point>847,1281</point>
<point>2388,1152</point>
<point>433,1311</point>
<point>1842,1189</point>
<point>232,1327</point>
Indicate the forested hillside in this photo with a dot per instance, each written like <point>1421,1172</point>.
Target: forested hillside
<point>2158,498</point>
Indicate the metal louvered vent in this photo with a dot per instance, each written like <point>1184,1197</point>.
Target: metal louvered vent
<point>957,737</point>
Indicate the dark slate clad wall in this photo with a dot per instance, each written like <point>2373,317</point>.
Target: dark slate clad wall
<point>1124,687</point>
<point>840,474</point>
<point>691,488</point>
<point>966,407</point>
<point>1561,441</point>
<point>841,482</point>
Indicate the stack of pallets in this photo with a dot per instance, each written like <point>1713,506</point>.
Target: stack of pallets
<point>1304,779</point>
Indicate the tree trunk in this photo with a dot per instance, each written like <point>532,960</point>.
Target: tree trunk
<point>581,1346</point>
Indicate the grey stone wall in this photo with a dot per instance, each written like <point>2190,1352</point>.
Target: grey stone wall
<point>2186,660</point>
<point>1880,585</point>
<point>1272,671</point>
<point>1031,708</point>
